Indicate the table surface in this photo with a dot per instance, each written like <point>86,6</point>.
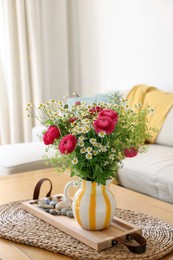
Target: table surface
<point>21,186</point>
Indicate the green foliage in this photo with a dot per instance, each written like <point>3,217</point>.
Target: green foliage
<point>96,158</point>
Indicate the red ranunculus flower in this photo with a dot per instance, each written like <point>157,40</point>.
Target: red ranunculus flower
<point>68,144</point>
<point>104,123</point>
<point>131,152</point>
<point>77,103</point>
<point>71,120</point>
<point>110,113</point>
<point>95,110</point>
<point>51,134</point>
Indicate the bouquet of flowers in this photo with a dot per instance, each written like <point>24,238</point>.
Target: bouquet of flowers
<point>92,140</point>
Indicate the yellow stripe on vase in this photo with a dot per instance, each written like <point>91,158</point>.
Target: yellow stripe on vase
<point>78,201</point>
<point>92,207</point>
<point>108,207</point>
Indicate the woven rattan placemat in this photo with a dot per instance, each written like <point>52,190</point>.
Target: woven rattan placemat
<point>20,226</point>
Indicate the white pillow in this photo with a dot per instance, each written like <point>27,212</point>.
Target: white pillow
<point>165,136</point>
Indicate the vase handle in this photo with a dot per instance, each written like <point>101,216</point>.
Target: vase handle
<point>66,194</point>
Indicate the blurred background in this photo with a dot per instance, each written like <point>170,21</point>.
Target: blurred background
<point>51,48</point>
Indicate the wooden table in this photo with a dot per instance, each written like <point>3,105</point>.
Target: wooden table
<point>21,186</point>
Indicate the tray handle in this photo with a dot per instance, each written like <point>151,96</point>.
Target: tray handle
<point>38,187</point>
<point>137,249</point>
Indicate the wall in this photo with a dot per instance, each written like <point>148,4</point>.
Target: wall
<point>123,43</point>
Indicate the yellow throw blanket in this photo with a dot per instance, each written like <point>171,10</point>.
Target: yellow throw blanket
<point>158,100</point>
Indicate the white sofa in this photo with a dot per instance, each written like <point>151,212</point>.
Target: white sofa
<point>151,173</point>
<point>21,157</point>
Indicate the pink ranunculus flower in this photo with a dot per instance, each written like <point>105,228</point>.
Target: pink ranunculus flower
<point>131,152</point>
<point>104,123</point>
<point>110,113</point>
<point>68,144</point>
<point>51,134</point>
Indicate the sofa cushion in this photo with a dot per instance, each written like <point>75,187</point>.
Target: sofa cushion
<point>150,173</point>
<point>102,97</point>
<point>21,157</point>
<point>89,100</point>
<point>165,135</point>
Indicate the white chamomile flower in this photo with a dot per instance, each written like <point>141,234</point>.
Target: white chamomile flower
<point>103,149</point>
<point>95,144</point>
<point>74,132</point>
<point>98,145</point>
<point>81,143</point>
<point>111,157</point>
<point>93,141</point>
<point>89,156</point>
<point>83,150</point>
<point>84,114</point>
<point>72,124</point>
<point>95,152</point>
<point>81,138</point>
<point>101,134</point>
<point>79,129</point>
<point>75,161</point>
<point>86,129</point>
<point>89,149</point>
<point>113,150</point>
<point>86,120</point>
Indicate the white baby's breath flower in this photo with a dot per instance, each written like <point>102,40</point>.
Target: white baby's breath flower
<point>89,149</point>
<point>101,134</point>
<point>75,161</point>
<point>89,156</point>
<point>83,150</point>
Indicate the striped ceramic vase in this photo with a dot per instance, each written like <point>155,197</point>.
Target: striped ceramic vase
<point>93,205</point>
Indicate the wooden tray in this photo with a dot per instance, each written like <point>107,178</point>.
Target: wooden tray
<point>98,240</point>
